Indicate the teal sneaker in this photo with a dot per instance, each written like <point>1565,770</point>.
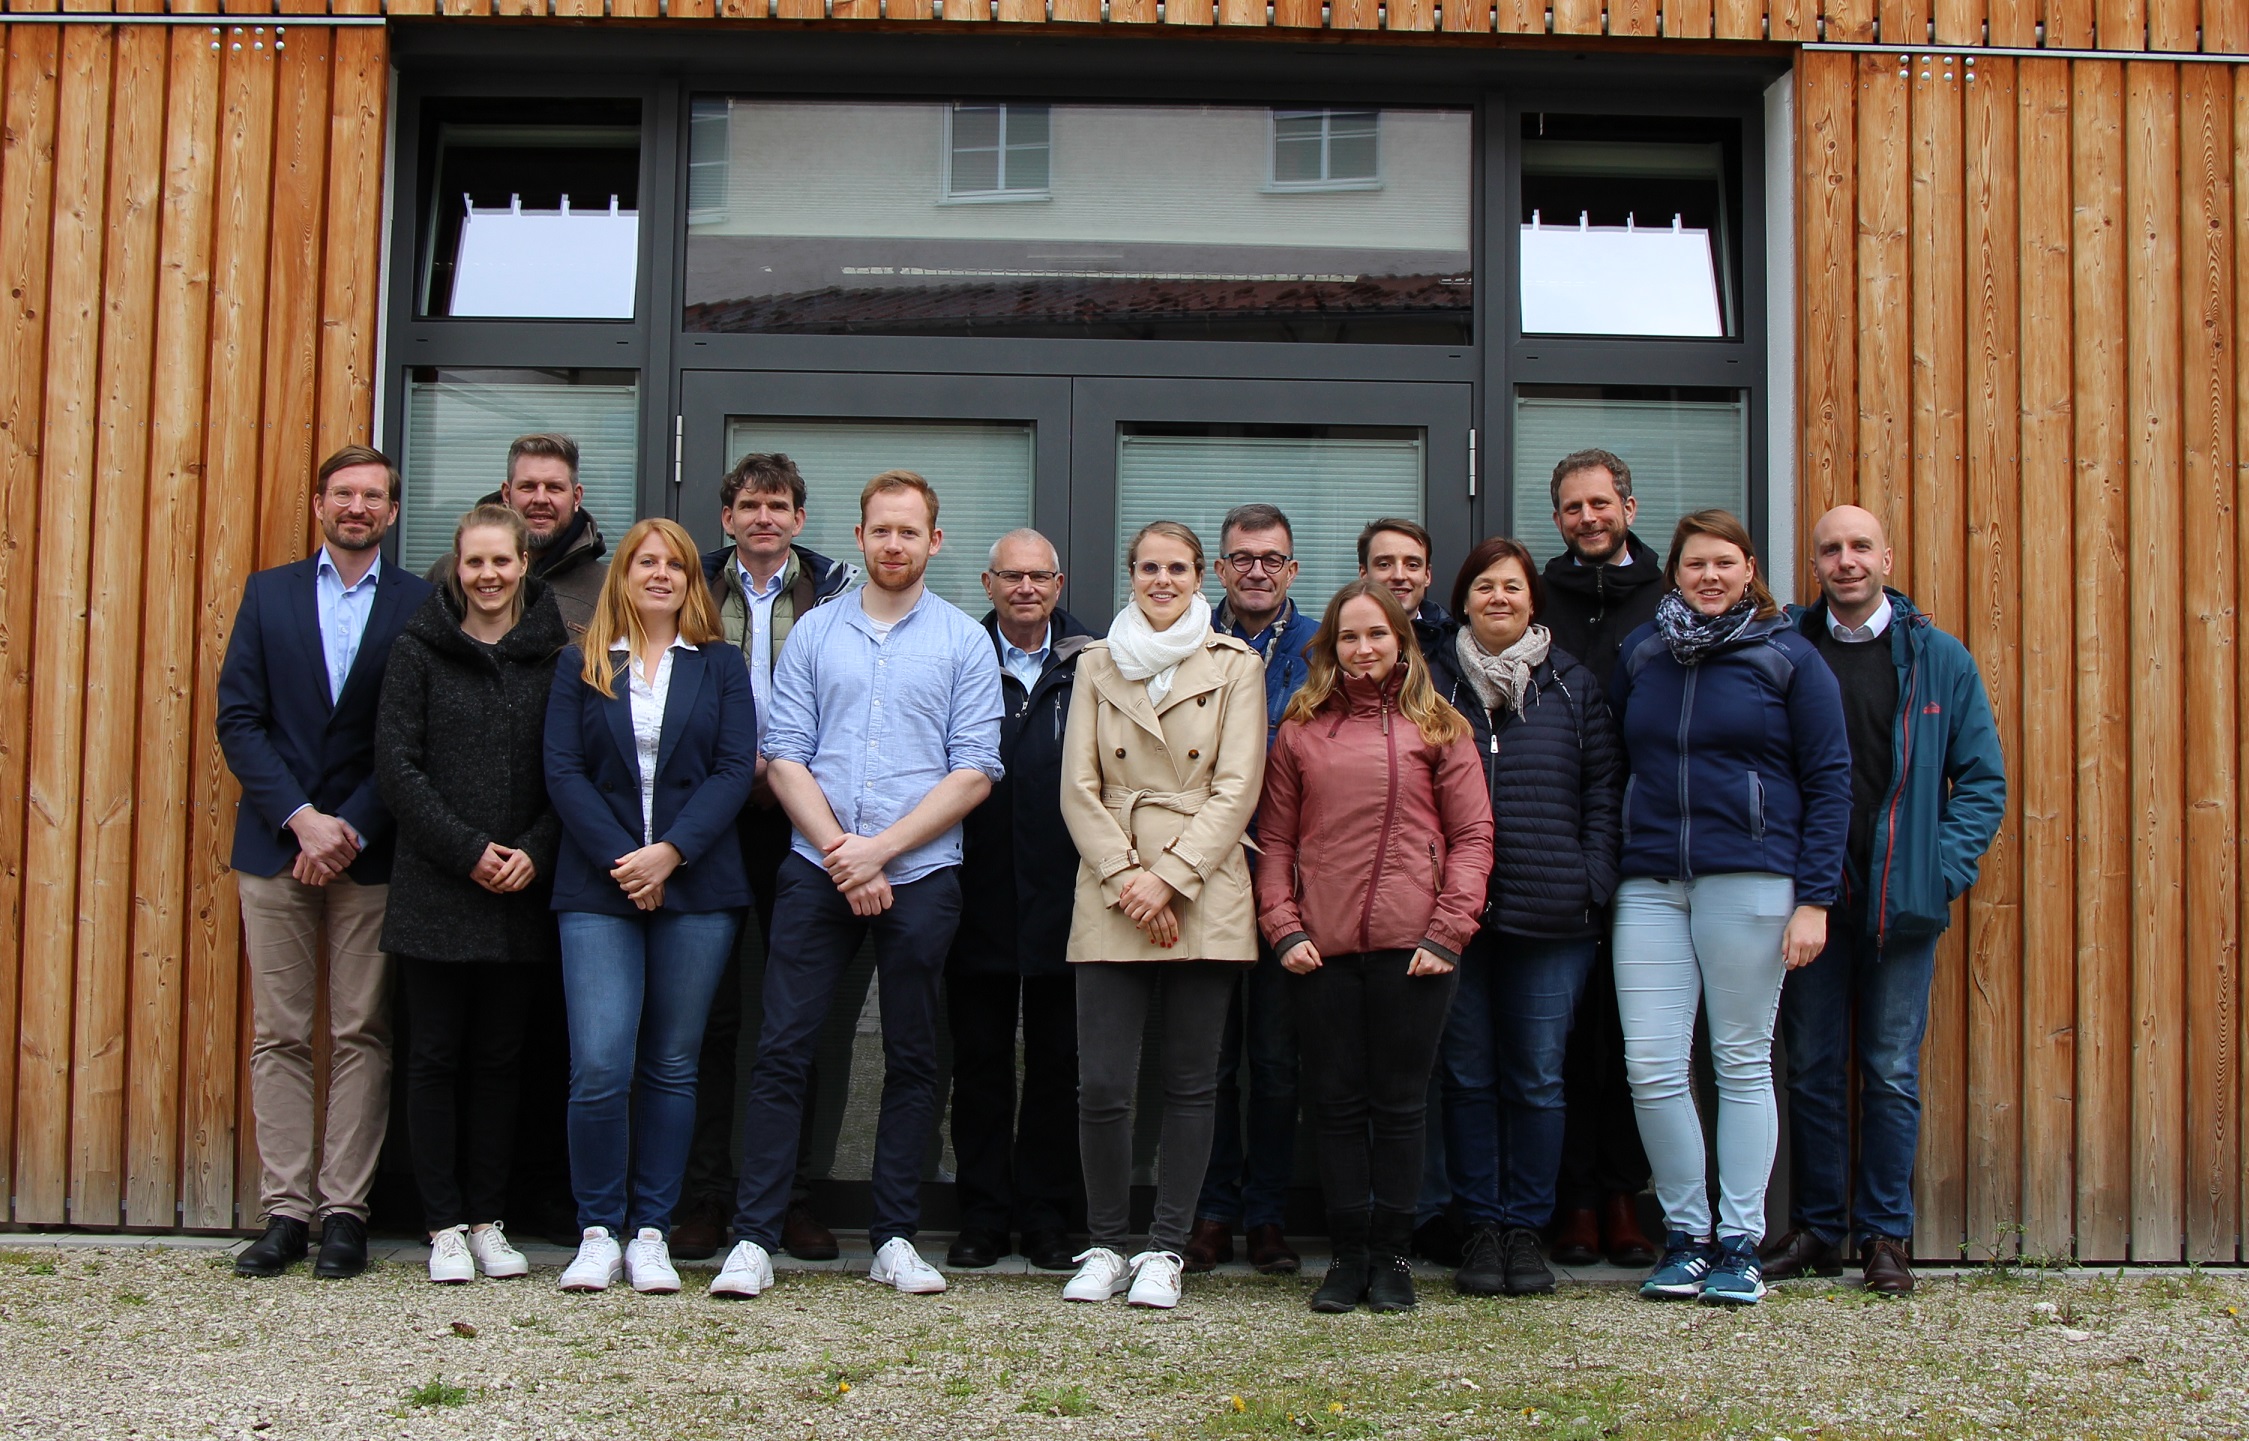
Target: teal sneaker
<point>1739,1277</point>
<point>1678,1276</point>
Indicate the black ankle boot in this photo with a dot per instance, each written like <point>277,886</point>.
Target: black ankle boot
<point>1346,1283</point>
<point>1389,1273</point>
<point>282,1246</point>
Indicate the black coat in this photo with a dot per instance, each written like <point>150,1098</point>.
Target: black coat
<point>460,755</point>
<point>1557,783</point>
<point>1019,868</point>
<point>1591,608</point>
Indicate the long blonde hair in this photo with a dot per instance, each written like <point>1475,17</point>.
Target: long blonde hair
<point>1431,714</point>
<point>614,616</point>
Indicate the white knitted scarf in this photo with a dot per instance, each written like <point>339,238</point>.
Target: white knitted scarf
<point>1144,653</point>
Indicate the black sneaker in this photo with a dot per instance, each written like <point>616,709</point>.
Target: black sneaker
<point>1524,1264</point>
<point>1483,1267</point>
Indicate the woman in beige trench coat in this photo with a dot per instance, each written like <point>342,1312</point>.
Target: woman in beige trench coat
<point>1162,765</point>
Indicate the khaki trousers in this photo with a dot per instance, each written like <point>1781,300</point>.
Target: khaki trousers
<point>282,921</point>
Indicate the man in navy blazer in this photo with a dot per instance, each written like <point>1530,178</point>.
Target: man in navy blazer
<point>312,849</point>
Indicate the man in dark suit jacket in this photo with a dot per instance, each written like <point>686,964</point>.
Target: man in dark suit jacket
<point>312,849</point>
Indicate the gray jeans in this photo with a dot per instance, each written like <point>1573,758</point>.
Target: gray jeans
<point>1113,1001</point>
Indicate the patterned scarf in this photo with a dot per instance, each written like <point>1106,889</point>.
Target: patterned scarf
<point>1693,635</point>
<point>1503,680</point>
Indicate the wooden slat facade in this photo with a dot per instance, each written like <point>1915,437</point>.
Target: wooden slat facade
<point>2017,341</point>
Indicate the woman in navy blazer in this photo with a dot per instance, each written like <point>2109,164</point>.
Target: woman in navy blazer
<point>651,748</point>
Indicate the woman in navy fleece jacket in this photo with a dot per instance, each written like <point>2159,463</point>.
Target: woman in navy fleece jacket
<point>1735,818</point>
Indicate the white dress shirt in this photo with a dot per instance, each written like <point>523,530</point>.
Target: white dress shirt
<point>647,695</point>
<point>1876,624</point>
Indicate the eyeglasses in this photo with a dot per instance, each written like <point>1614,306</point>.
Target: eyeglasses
<point>1017,577</point>
<point>1245,562</point>
<point>1150,569</point>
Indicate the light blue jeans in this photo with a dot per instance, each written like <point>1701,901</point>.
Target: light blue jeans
<point>1714,942</point>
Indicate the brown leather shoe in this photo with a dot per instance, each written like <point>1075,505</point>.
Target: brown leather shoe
<point>1888,1271</point>
<point>803,1237</point>
<point>698,1229</point>
<point>1798,1254</point>
<point>1577,1238</point>
<point>1210,1245</point>
<point>1622,1240</point>
<point>1270,1254</point>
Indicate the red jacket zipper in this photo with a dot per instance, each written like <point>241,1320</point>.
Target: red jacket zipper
<point>1382,841</point>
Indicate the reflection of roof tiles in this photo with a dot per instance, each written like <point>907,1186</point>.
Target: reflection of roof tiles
<point>1064,302</point>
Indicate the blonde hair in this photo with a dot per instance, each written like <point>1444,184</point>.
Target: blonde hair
<point>1431,714</point>
<point>490,517</point>
<point>1172,529</point>
<point>615,617</point>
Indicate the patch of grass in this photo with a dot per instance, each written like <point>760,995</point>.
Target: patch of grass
<point>40,1268</point>
<point>1059,1401</point>
<point>437,1391</point>
<point>131,1298</point>
<point>959,1387</point>
<point>1306,1411</point>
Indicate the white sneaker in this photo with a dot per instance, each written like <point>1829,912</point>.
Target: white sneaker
<point>1102,1273</point>
<point>449,1260</point>
<point>899,1264</point>
<point>748,1270</point>
<point>495,1255</point>
<point>598,1262</point>
<point>648,1262</point>
<point>1155,1280</point>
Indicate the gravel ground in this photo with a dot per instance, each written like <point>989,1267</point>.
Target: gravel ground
<point>160,1342</point>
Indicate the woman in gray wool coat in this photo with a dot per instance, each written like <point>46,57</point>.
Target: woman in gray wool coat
<point>460,759</point>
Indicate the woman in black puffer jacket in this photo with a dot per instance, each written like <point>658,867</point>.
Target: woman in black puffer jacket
<point>1556,773</point>
<point>460,758</point>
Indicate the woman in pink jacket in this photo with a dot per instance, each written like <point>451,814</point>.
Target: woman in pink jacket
<point>1376,837</point>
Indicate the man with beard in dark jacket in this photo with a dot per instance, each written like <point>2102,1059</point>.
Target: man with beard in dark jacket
<point>1018,1169</point>
<point>1598,591</point>
<point>566,546</point>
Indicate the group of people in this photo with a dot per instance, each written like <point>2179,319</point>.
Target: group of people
<point>1471,874</point>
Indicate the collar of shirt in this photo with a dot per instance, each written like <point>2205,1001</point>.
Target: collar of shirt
<point>325,564</point>
<point>754,593</point>
<point>1623,558</point>
<point>625,647</point>
<point>1025,665</point>
<point>856,614</point>
<point>1876,624</point>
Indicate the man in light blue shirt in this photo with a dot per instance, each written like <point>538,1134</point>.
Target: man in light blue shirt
<point>884,734</point>
<point>344,608</point>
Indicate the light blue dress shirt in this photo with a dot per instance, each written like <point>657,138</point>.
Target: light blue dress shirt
<point>343,616</point>
<point>1025,665</point>
<point>758,605</point>
<point>880,720</point>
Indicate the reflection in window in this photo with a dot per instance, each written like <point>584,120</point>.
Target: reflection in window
<point>1328,479</point>
<point>982,471</point>
<point>706,159</point>
<point>1626,237</point>
<point>998,152</point>
<point>1688,449</point>
<point>459,424</point>
<point>1166,223</point>
<point>529,214</point>
<point>1324,149</point>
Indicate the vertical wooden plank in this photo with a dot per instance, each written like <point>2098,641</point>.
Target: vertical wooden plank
<point>1518,17</point>
<point>113,636</point>
<point>1959,22</point>
<point>1684,19</point>
<point>167,661</point>
<point>1577,17</point>
<point>2069,24</point>
<point>1293,14</point>
<point>2208,578</point>
<point>2043,776</point>
<point>2225,30</point>
<point>1904,22</point>
<point>1132,12</point>
<point>2120,24</point>
<point>1991,625</point>
<point>1237,13</point>
<point>2154,679</point>
<point>1461,17</point>
<point>27,159</point>
<point>1631,17</point>
<point>349,314</point>
<point>58,664</point>
<point>1851,20</point>
<point>292,359</point>
<point>1411,15</point>
<point>1885,365</point>
<point>1347,14</point>
<point>2172,24</point>
<point>2103,653</point>
<point>1792,20</point>
<point>2014,22</point>
<point>2241,576</point>
<point>1827,347</point>
<point>818,9</point>
<point>1936,543</point>
<point>1741,19</point>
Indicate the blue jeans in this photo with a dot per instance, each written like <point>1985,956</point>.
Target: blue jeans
<point>1882,1003</point>
<point>815,936</point>
<point>1504,1046</point>
<point>638,989</point>
<point>1252,1189</point>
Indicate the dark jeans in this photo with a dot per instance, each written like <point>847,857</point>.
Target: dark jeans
<point>814,937</point>
<point>1014,1169</point>
<point>465,1020</point>
<point>1601,1151</point>
<point>1882,1003</point>
<point>1251,1165</point>
<point>1374,1030</point>
<point>638,989</point>
<point>1113,1002</point>
<point>1503,1051</point>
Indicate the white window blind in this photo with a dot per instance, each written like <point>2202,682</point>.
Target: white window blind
<point>982,471</point>
<point>459,427</point>
<point>1329,486</point>
<point>710,161</point>
<point>1686,455</point>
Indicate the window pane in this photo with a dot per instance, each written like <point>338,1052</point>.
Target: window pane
<point>1688,449</point>
<point>1152,221</point>
<point>982,472</point>
<point>531,213</point>
<point>459,424</point>
<point>706,160</point>
<point>1329,480</point>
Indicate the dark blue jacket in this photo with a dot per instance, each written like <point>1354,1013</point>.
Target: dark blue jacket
<point>1737,763</point>
<point>284,740</point>
<point>1948,786</point>
<point>1282,650</point>
<point>704,767</point>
